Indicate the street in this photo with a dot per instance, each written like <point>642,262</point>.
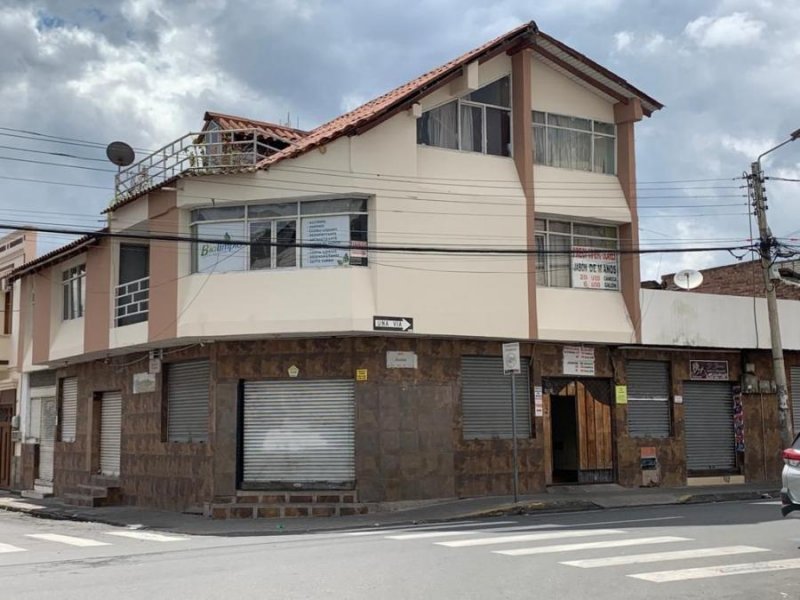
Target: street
<point>732,550</point>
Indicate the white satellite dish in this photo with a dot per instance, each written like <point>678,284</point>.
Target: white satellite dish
<point>688,279</point>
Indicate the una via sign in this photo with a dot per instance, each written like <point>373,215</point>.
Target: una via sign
<point>392,323</point>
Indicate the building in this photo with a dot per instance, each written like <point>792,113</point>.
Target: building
<point>279,322</point>
<point>15,249</point>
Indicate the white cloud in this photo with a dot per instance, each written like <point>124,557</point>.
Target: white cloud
<point>623,40</point>
<point>638,43</point>
<point>736,29</point>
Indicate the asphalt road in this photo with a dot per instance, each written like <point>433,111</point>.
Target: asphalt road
<point>732,550</point>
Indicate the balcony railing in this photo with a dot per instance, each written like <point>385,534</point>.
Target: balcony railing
<point>132,301</point>
<point>200,153</point>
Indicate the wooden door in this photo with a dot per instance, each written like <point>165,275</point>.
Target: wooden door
<point>594,430</point>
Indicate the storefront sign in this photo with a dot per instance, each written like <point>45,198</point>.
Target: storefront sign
<point>708,370</point>
<point>326,230</point>
<point>511,362</point>
<point>223,255</point>
<point>538,407</point>
<point>144,383</point>
<point>621,394</point>
<point>361,374</point>
<point>594,268</point>
<point>396,359</point>
<point>578,360</point>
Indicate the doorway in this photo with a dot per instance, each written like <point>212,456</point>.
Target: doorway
<point>581,430</point>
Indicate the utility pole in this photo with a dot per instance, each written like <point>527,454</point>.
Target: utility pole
<point>766,245</point>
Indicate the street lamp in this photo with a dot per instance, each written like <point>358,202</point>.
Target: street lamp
<point>765,250</point>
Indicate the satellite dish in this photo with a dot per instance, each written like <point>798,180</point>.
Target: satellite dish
<point>120,153</point>
<point>688,279</point>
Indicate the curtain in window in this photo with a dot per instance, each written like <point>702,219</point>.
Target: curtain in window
<point>560,264</point>
<point>471,128</point>
<point>439,127</point>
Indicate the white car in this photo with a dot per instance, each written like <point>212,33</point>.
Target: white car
<point>790,494</point>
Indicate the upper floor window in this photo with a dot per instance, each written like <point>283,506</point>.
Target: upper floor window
<point>478,122</point>
<point>574,143</point>
<point>73,282</point>
<point>276,232</point>
<point>578,255</point>
<point>133,292</point>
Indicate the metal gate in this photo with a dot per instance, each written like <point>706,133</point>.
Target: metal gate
<point>795,377</point>
<point>299,433</point>
<point>486,399</point>
<point>648,398</point>
<point>187,393</point>
<point>6,445</point>
<point>708,422</point>
<point>69,408</point>
<point>47,442</point>
<point>110,433</point>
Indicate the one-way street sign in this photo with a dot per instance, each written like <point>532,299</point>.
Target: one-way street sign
<point>392,323</point>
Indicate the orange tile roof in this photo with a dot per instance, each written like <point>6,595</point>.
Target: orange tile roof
<point>273,130</point>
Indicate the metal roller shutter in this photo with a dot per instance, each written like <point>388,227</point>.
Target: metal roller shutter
<point>795,377</point>
<point>299,432</point>
<point>69,409</point>
<point>708,421</point>
<point>187,401</point>
<point>648,398</point>
<point>486,399</point>
<point>110,433</point>
<point>47,443</point>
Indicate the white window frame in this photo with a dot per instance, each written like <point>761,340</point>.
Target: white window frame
<point>546,234</point>
<point>73,287</point>
<point>592,133</point>
<point>483,106</point>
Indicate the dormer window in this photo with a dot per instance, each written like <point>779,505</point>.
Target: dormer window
<point>478,122</point>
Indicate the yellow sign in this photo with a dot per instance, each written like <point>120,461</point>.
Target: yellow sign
<point>361,374</point>
<point>622,394</point>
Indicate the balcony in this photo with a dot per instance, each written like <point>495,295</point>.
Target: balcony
<point>201,153</point>
<point>131,302</point>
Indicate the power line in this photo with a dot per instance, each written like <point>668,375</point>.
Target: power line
<point>49,137</point>
<point>52,164</point>
<point>62,154</point>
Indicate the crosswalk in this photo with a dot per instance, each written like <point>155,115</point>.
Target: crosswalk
<point>559,541</point>
<point>97,539</point>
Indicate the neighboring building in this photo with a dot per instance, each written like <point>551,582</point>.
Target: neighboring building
<point>283,378</point>
<point>16,248</point>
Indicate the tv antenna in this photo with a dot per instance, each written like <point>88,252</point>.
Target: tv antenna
<point>688,279</point>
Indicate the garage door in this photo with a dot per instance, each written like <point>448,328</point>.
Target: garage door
<point>110,433</point>
<point>299,433</point>
<point>795,373</point>
<point>708,419</point>
<point>47,443</point>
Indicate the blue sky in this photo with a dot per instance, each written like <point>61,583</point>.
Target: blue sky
<point>144,71</point>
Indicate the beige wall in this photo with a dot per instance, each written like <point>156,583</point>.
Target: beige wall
<point>583,315</point>
<point>66,337</point>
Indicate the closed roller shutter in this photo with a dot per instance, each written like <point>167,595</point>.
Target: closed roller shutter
<point>486,399</point>
<point>648,398</point>
<point>708,418</point>
<point>795,376</point>
<point>299,432</point>
<point>69,409</point>
<point>110,433</point>
<point>187,401</point>
<point>47,443</point>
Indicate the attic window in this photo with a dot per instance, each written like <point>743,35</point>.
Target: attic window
<point>478,122</point>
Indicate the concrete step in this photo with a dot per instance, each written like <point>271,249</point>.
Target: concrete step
<point>281,510</point>
<point>35,494</point>
<point>94,491</point>
<point>80,500</point>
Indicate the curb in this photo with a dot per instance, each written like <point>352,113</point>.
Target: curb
<point>59,515</point>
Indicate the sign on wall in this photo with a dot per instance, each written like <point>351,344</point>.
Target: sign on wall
<point>221,256</point>
<point>144,383</point>
<point>594,268</point>
<point>578,360</point>
<point>708,370</point>
<point>326,230</point>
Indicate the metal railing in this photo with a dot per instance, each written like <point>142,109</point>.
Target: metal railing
<point>200,153</point>
<point>132,302</point>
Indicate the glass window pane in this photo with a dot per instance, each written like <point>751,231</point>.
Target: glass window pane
<point>539,145</point>
<point>559,226</point>
<point>358,240</point>
<point>134,262</point>
<point>334,205</point>
<point>540,225</point>
<point>67,312</point>
<point>471,128</point>
<point>597,243</point>
<point>216,254</point>
<point>569,149</point>
<point>607,128</point>
<point>541,261</point>
<point>265,211</point>
<point>218,213</point>
<point>439,127</point>
<point>498,132</point>
<point>81,295</point>
<point>605,231</point>
<point>497,93</point>
<point>286,240</point>
<point>559,264</point>
<point>539,117</point>
<point>571,122</point>
<point>261,256</point>
<point>604,155</point>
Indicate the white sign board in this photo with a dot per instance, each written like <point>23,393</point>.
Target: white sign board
<point>511,363</point>
<point>538,407</point>
<point>396,359</point>
<point>221,256</point>
<point>578,360</point>
<point>326,230</point>
<point>594,268</point>
<point>144,383</point>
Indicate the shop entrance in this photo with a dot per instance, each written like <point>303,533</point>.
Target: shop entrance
<point>580,430</point>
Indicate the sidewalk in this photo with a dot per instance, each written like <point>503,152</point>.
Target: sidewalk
<point>556,499</point>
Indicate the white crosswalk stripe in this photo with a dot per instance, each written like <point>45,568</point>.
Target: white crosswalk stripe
<point>719,571</point>
<point>147,536</point>
<point>531,537</point>
<point>435,534</point>
<point>591,546</point>
<point>768,503</point>
<point>398,530</point>
<point>5,548</point>
<point>66,539</point>
<point>657,557</point>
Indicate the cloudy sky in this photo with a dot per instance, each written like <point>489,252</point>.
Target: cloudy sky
<point>144,71</point>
